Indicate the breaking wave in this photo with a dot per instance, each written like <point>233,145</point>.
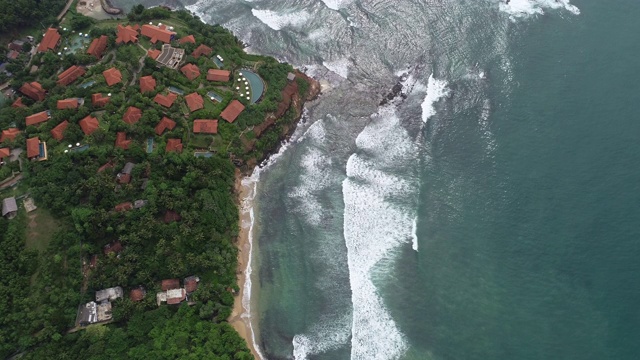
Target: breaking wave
<point>278,21</point>
<point>527,8</point>
<point>436,90</point>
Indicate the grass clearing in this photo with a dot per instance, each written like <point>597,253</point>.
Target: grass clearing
<point>40,228</point>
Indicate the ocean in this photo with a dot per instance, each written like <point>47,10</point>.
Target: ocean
<point>487,209</point>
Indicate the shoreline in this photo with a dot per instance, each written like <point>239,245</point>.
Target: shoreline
<point>241,318</point>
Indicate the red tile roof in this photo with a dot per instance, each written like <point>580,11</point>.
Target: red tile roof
<point>70,75</point>
<point>9,134</point>
<point>165,124</point>
<point>5,152</point>
<point>190,71</point>
<point>194,101</point>
<point>50,40</point>
<point>125,206</point>
<point>147,83</point>
<point>171,216</point>
<point>218,75</point>
<point>89,124</point>
<point>71,103</point>
<point>132,115</point>
<point>137,294</point>
<point>165,100</point>
<point>205,126</point>
<point>157,33</point>
<point>98,46</point>
<point>114,247</point>
<point>98,100</point>
<point>18,103</point>
<point>37,118</point>
<point>187,39</point>
<point>126,34</point>
<point>33,147</point>
<point>202,50</point>
<point>12,55</point>
<point>33,90</point>
<point>106,166</point>
<point>123,178</point>
<point>154,53</point>
<point>58,131</point>
<point>177,300</point>
<point>121,141</point>
<point>190,284</point>
<point>174,145</point>
<point>170,284</point>
<point>112,76</point>
<point>232,111</point>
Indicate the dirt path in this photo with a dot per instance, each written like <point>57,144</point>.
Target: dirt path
<point>64,11</point>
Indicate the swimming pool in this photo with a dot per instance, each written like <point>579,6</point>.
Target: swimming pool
<point>87,84</point>
<point>149,145</point>
<point>256,84</point>
<point>205,154</point>
<point>217,61</point>
<point>175,90</point>
<point>214,96</point>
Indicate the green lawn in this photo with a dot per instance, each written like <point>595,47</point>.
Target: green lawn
<point>40,228</point>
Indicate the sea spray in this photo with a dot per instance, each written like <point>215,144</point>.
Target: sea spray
<point>526,8</point>
<point>436,90</point>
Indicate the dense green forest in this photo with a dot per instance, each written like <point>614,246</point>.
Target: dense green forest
<point>16,14</point>
<point>43,284</point>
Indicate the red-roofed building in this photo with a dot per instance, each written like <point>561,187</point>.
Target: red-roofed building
<point>176,296</point>
<point>71,103</point>
<point>33,148</point>
<point>165,124</point>
<point>5,153</point>
<point>70,75</point>
<point>190,71</point>
<point>121,141</point>
<point>38,118</point>
<point>170,284</point>
<point>126,34</point>
<point>98,46</point>
<point>231,112</point>
<point>147,83</point>
<point>153,53</point>
<point>165,100</point>
<point>98,100</point>
<point>194,101</point>
<point>12,54</point>
<point>137,294</point>
<point>174,145</point>
<point>9,134</point>
<point>112,76</point>
<point>114,247</point>
<point>132,115</point>
<point>18,103</point>
<point>218,75</point>
<point>203,126</point>
<point>187,39</point>
<point>125,206</point>
<point>202,50</point>
<point>171,216</point>
<point>191,284</point>
<point>89,124</point>
<point>155,33</point>
<point>58,131</point>
<point>50,40</point>
<point>33,90</point>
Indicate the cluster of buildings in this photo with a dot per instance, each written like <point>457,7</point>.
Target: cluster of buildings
<point>99,311</point>
<point>172,293</point>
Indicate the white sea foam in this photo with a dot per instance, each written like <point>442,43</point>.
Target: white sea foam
<point>340,67</point>
<point>374,225</point>
<point>278,21</point>
<point>414,234</point>
<point>436,90</point>
<point>335,4</point>
<point>326,336</point>
<point>527,8</point>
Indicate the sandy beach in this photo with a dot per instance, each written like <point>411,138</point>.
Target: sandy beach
<point>240,319</point>
<point>93,9</point>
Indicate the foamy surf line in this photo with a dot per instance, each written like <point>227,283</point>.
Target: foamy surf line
<point>526,8</point>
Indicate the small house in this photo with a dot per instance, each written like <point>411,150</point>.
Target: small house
<point>9,208</point>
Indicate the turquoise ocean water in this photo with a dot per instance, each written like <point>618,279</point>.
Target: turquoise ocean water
<point>489,210</point>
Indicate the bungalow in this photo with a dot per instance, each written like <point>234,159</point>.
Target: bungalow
<point>112,76</point>
<point>97,100</point>
<point>121,141</point>
<point>218,75</point>
<point>157,33</point>
<point>16,45</point>
<point>38,118</point>
<point>71,103</point>
<point>70,75</point>
<point>58,131</point>
<point>138,204</point>
<point>98,46</point>
<point>153,53</point>
<point>202,126</point>
<point>9,134</point>
<point>126,34</point>
<point>9,208</point>
<point>132,115</point>
<point>124,176</point>
<point>191,71</point>
<point>33,90</point>
<point>18,103</point>
<point>187,39</point>
<point>191,284</point>
<point>170,284</point>
<point>171,216</point>
<point>36,150</point>
<point>194,101</point>
<point>147,83</point>
<point>114,247</point>
<point>171,292</point>
<point>4,153</point>
<point>89,124</point>
<point>109,294</point>
<point>174,145</point>
<point>231,112</point>
<point>202,50</point>
<point>137,294</point>
<point>165,100</point>
<point>125,206</point>
<point>50,40</point>
<point>100,311</point>
<point>165,124</point>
